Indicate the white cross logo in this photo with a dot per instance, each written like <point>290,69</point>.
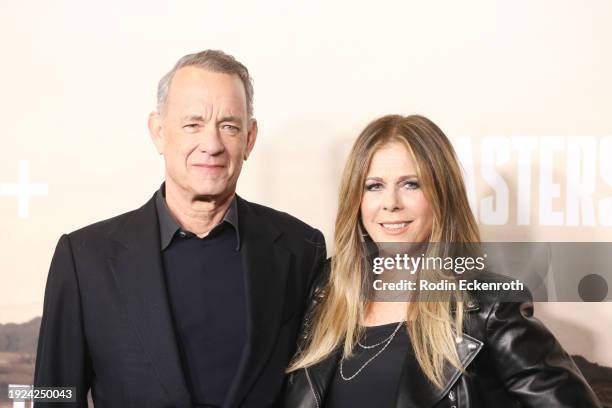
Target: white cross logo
<point>23,189</point>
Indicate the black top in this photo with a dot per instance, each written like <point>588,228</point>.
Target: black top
<point>376,385</point>
<point>205,283</point>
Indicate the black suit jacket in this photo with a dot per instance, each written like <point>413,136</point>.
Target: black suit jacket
<point>107,324</point>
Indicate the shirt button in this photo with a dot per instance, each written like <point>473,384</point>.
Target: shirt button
<point>182,234</point>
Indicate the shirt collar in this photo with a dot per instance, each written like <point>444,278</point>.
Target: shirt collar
<point>168,226</point>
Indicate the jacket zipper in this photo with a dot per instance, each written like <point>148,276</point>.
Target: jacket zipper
<point>312,388</point>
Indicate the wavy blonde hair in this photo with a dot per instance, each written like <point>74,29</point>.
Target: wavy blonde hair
<point>434,326</point>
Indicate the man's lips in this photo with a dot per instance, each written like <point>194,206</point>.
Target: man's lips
<point>208,166</point>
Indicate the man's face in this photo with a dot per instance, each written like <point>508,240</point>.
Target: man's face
<point>204,132</point>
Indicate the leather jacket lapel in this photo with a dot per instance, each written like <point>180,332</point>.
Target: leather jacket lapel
<point>322,374</point>
<point>415,391</point>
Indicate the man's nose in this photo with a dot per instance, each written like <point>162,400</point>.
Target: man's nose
<point>391,200</point>
<point>210,141</point>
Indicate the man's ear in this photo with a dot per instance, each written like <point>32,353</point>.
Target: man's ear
<point>251,137</point>
<point>155,129</point>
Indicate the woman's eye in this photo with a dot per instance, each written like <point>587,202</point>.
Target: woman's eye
<point>373,187</point>
<point>412,185</point>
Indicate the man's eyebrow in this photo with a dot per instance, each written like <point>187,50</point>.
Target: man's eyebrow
<point>196,118</point>
<point>229,118</point>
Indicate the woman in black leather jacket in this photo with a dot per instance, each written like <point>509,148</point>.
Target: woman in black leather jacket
<point>402,184</point>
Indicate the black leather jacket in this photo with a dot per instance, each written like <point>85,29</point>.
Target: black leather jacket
<point>510,359</point>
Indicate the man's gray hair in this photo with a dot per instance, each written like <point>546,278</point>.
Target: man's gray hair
<point>211,60</point>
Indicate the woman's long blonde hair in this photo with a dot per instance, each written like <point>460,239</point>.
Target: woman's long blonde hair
<point>336,321</point>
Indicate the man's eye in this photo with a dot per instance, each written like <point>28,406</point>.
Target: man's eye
<point>373,187</point>
<point>230,128</point>
<point>191,126</point>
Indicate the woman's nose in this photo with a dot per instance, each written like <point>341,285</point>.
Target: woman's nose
<point>390,201</point>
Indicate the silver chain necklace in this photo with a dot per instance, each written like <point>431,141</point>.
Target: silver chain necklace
<point>377,344</point>
<point>387,341</point>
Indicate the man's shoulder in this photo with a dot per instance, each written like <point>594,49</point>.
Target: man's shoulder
<point>102,231</point>
<point>102,228</point>
<point>281,220</point>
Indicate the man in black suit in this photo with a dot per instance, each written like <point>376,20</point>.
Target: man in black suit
<point>195,298</point>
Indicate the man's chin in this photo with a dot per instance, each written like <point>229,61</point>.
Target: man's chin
<point>207,193</point>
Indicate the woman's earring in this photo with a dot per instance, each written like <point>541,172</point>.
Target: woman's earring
<point>362,231</point>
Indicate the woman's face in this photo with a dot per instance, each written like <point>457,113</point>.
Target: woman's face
<point>393,206</point>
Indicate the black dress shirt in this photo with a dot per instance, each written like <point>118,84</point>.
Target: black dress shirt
<point>205,282</point>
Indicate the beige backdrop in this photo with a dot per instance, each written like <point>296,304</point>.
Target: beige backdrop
<point>523,89</point>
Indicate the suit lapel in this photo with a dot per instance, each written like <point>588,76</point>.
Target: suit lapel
<point>265,265</point>
<point>137,267</point>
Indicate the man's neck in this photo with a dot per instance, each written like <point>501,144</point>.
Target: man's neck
<point>195,214</point>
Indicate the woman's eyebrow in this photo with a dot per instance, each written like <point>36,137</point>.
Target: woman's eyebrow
<point>408,177</point>
<point>401,178</point>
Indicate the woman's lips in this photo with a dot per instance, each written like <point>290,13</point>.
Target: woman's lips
<point>395,228</point>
